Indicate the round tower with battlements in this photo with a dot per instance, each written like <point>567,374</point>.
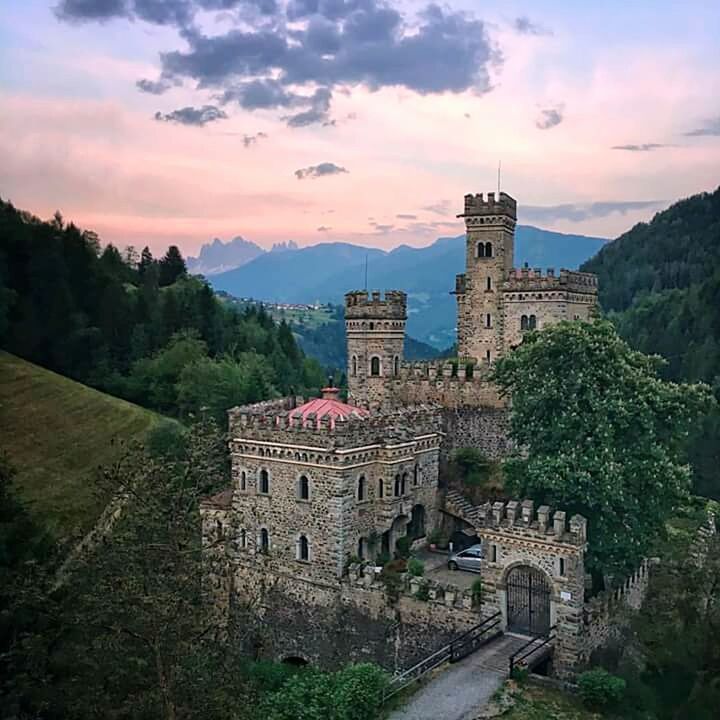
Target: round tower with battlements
<point>375,330</point>
<point>490,227</point>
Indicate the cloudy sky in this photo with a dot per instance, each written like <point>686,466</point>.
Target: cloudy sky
<point>157,121</point>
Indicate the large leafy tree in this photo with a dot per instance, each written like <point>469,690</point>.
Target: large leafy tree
<point>600,434</point>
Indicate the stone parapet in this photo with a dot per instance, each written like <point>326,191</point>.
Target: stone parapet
<point>367,576</point>
<point>525,279</point>
<point>478,205</point>
<point>360,305</point>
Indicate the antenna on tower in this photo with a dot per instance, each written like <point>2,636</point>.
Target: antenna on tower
<point>366,264</point>
<point>499,166</point>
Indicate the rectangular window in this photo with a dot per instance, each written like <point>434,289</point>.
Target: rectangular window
<point>488,320</point>
<point>493,553</point>
<point>561,567</point>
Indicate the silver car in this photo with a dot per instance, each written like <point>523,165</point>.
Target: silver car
<point>468,559</point>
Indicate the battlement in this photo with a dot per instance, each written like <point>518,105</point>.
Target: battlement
<point>433,370</point>
<point>401,425</point>
<point>359,304</point>
<point>477,205</point>
<point>523,279</point>
<point>520,518</point>
<point>367,576</point>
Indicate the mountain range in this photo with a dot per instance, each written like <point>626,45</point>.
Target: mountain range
<point>325,272</point>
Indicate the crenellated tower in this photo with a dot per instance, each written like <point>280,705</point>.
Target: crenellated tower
<point>375,330</point>
<point>489,245</point>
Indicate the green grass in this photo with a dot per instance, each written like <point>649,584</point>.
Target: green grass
<point>309,318</point>
<point>533,702</point>
<point>56,432</point>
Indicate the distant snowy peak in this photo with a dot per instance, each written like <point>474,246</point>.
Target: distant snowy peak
<point>218,256</point>
<point>284,246</point>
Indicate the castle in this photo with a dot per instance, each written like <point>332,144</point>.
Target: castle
<point>323,489</point>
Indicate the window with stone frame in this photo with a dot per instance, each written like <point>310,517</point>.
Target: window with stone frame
<point>381,488</point>
<point>354,365</point>
<point>264,485</point>
<point>403,483</point>
<point>243,480</point>
<point>532,322</point>
<point>303,488</point>
<point>361,488</point>
<point>488,250</point>
<point>415,474</point>
<point>302,550</point>
<point>264,541</point>
<point>488,320</point>
<point>375,366</point>
<point>524,322</point>
<point>396,366</point>
<point>488,285</point>
<point>398,486</point>
<point>242,538</point>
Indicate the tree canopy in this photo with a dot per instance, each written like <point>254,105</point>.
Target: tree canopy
<point>600,434</point>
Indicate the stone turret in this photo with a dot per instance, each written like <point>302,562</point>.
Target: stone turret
<point>489,247</point>
<point>375,329</point>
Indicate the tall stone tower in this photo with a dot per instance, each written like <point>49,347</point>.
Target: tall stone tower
<point>375,330</point>
<point>490,227</point>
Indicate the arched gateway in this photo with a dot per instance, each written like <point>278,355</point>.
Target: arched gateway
<point>528,600</point>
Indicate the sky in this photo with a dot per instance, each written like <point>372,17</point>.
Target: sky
<point>175,121</point>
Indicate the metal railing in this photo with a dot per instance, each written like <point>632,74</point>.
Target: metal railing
<point>459,648</point>
<point>470,641</point>
<point>519,657</point>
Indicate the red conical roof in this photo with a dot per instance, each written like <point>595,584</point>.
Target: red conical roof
<point>328,404</point>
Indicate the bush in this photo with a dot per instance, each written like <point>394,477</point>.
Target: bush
<point>598,688</point>
<point>423,593</point>
<point>476,590</point>
<point>383,559</point>
<point>402,547</point>
<point>416,567</point>
<point>166,440</point>
<point>353,693</point>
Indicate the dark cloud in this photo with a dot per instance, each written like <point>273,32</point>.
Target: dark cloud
<point>381,228</point>
<point>644,147</point>
<point>193,116</point>
<point>154,87</point>
<point>324,228</point>
<point>710,129</point>
<point>525,26</point>
<point>321,170</point>
<point>249,140</point>
<point>339,44</point>
<point>550,117</point>
<point>406,216</point>
<point>577,212</point>
<point>439,208</point>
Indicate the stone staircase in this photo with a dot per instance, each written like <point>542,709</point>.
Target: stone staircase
<point>460,506</point>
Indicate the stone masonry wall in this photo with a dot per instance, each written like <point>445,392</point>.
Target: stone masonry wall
<point>484,428</point>
<point>353,620</point>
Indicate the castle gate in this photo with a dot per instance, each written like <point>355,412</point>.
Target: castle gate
<point>528,600</point>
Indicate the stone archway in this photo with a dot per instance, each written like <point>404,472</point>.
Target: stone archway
<point>529,595</point>
<point>416,524</point>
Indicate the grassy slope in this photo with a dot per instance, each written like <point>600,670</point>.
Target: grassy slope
<point>56,433</point>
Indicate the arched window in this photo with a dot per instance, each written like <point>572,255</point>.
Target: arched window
<point>361,548</point>
<point>264,540</point>
<point>398,486</point>
<point>488,285</point>
<point>487,357</point>
<point>354,365</point>
<point>524,322</point>
<point>396,365</point>
<point>481,249</point>
<point>361,488</point>
<point>415,475</point>
<point>403,484</point>
<point>303,549</point>
<point>303,488</point>
<point>243,481</point>
<point>532,322</point>
<point>375,366</point>
<point>243,539</point>
<point>488,320</point>
<point>488,250</point>
<point>264,482</point>
<point>381,488</point>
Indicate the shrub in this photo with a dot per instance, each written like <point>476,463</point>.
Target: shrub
<point>476,590</point>
<point>402,547</point>
<point>423,593</point>
<point>416,567</point>
<point>383,559</point>
<point>598,688</point>
<point>434,537</point>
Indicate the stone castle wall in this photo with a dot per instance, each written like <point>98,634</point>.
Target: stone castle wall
<point>353,620</point>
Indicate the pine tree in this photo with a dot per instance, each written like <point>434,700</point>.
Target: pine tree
<point>172,266</point>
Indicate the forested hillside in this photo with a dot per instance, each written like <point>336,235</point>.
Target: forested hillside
<point>660,284</point>
<point>134,326</point>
